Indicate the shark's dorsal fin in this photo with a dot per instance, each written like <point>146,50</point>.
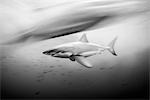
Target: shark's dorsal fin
<point>83,38</point>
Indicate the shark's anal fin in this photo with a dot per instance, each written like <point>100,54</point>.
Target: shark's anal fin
<point>83,61</point>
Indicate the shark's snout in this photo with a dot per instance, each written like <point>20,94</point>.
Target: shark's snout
<point>50,52</point>
<point>46,53</point>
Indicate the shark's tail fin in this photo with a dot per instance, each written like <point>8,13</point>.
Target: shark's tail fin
<point>111,46</point>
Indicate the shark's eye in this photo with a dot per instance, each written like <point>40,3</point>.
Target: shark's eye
<point>53,51</point>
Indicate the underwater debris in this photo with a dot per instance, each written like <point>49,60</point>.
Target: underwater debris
<point>111,67</point>
<point>63,74</point>
<point>65,80</point>
<point>37,93</point>
<point>102,68</point>
<point>69,83</point>
<point>40,80</point>
<point>45,72</point>
<point>70,72</point>
<point>51,66</point>
<point>40,76</point>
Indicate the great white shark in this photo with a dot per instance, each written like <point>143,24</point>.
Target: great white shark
<point>78,51</point>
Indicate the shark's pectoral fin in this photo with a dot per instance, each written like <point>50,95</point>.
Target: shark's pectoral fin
<point>83,61</point>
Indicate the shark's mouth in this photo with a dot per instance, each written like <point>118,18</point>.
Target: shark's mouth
<point>50,52</point>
